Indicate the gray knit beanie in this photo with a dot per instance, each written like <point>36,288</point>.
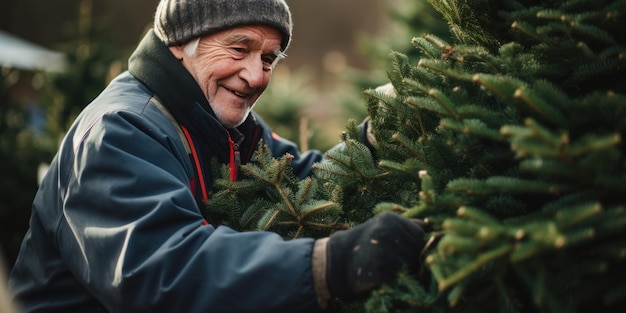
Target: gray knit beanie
<point>179,21</point>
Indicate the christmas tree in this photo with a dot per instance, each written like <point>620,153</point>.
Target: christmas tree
<point>506,139</point>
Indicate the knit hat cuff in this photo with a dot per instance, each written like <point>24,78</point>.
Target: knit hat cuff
<point>177,22</point>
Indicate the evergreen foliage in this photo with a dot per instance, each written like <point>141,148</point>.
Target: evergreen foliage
<point>507,139</point>
<point>270,198</point>
<point>523,146</point>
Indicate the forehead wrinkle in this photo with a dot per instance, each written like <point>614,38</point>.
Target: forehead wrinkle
<point>243,39</point>
<point>238,39</point>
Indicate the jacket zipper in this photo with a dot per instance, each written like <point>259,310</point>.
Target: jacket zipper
<point>235,154</point>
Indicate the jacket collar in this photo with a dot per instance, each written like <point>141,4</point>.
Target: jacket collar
<point>154,65</point>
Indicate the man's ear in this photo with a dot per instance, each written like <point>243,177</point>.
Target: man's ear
<point>178,51</point>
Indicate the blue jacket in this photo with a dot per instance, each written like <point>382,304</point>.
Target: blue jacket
<point>116,225</point>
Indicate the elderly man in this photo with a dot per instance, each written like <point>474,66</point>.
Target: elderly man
<point>117,226</point>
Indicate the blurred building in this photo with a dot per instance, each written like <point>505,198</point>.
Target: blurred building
<point>18,53</point>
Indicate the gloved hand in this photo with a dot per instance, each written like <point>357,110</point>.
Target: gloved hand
<point>370,254</point>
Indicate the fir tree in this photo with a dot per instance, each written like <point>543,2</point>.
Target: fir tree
<point>515,132</point>
<point>507,139</point>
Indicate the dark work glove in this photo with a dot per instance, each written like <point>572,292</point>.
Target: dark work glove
<point>372,253</point>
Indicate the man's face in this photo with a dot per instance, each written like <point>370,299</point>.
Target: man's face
<point>233,68</point>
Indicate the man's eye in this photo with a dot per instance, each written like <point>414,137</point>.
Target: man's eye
<point>238,50</point>
<point>268,61</point>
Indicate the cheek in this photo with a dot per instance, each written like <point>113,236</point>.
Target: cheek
<point>206,77</point>
<point>210,73</point>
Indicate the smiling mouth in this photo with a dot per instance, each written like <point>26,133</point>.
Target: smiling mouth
<point>238,94</point>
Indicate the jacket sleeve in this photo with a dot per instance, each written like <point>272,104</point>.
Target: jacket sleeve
<point>132,233</point>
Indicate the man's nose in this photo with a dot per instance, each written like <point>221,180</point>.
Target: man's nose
<point>253,72</point>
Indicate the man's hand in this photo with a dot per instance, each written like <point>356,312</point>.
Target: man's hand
<point>362,258</point>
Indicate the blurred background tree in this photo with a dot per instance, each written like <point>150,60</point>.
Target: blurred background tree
<point>60,96</point>
<point>22,150</point>
<point>408,18</point>
<point>92,61</point>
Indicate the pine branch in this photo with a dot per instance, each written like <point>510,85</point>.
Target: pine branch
<point>270,197</point>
